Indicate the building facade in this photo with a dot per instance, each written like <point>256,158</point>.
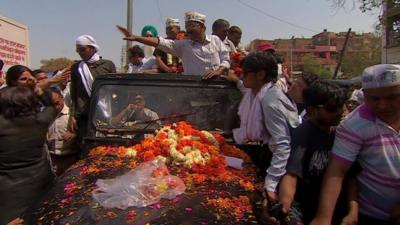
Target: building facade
<point>391,32</point>
<point>325,47</point>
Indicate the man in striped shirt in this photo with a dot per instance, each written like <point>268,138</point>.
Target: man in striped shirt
<point>370,136</point>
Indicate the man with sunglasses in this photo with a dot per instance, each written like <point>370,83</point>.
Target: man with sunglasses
<point>201,54</point>
<point>311,144</point>
<point>83,73</point>
<point>370,135</point>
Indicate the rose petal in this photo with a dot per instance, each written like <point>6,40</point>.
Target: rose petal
<point>188,209</point>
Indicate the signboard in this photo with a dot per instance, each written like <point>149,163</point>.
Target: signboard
<point>14,43</point>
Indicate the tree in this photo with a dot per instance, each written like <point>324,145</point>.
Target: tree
<point>51,65</point>
<point>366,5</point>
<point>354,63</point>
<point>311,64</point>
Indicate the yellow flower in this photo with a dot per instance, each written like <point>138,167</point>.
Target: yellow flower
<point>131,152</point>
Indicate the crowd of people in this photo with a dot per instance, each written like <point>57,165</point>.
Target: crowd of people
<point>328,155</point>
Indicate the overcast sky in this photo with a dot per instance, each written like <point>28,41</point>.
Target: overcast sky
<point>55,24</point>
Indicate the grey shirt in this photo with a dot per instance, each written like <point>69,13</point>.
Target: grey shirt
<point>280,117</point>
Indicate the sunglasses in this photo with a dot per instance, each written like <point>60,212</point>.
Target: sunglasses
<point>330,108</point>
<point>81,49</point>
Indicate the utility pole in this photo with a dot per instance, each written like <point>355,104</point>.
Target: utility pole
<point>342,54</point>
<point>129,20</point>
<point>291,56</point>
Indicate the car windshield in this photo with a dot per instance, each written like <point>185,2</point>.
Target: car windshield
<point>131,109</point>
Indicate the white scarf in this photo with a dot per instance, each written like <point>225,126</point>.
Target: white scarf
<point>251,117</point>
<point>86,75</point>
<point>148,51</point>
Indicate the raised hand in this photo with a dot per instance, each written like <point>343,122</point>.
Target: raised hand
<point>124,31</point>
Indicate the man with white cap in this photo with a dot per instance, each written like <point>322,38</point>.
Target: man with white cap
<point>167,63</point>
<point>370,135</point>
<point>83,73</point>
<point>201,54</point>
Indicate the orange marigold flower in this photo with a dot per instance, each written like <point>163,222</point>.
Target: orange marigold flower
<point>160,172</point>
<point>148,156</point>
<point>111,214</point>
<point>248,186</point>
<point>199,178</point>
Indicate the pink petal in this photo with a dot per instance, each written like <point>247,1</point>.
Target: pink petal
<point>188,209</point>
<point>176,200</point>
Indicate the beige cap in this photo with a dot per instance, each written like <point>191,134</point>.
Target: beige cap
<point>171,22</point>
<point>195,16</point>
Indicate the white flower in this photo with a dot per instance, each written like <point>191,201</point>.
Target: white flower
<point>188,155</point>
<point>162,159</point>
<point>194,157</point>
<point>211,138</point>
<point>187,149</point>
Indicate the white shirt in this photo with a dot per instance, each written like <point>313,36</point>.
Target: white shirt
<point>198,58</point>
<point>56,131</point>
<point>148,51</point>
<point>229,45</point>
<point>147,63</point>
<point>151,115</point>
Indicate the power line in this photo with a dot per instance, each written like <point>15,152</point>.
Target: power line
<point>276,18</point>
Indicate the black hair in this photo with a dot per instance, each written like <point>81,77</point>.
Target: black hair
<point>55,72</point>
<point>136,51</point>
<point>219,23</point>
<point>14,72</point>
<point>323,93</point>
<point>234,30</point>
<point>56,90</point>
<point>18,101</point>
<point>261,61</point>
<point>309,78</point>
<point>36,72</point>
<point>1,64</point>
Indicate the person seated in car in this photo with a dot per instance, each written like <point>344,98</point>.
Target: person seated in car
<point>138,63</point>
<point>136,112</point>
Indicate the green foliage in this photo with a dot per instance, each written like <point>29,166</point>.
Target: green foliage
<point>51,65</point>
<point>312,65</point>
<point>366,5</point>
<point>355,62</point>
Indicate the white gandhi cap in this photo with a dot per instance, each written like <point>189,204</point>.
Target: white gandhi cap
<point>381,75</point>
